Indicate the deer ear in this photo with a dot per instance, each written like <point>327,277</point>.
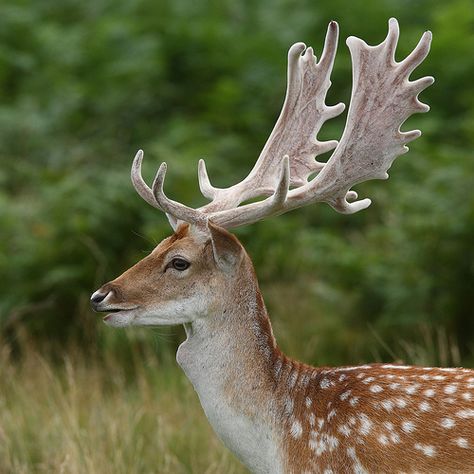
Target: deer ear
<point>226,249</point>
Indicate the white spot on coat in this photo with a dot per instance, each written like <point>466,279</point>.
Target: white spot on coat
<point>462,442</point>
<point>388,425</point>
<point>395,438</point>
<point>358,468</point>
<point>408,426</point>
<point>447,423</point>
<point>345,430</point>
<point>333,442</point>
<point>469,413</point>
<point>388,405</point>
<point>426,449</point>
<point>345,395</point>
<point>400,402</point>
<point>365,424</point>
<point>277,368</point>
<point>354,401</point>
<point>296,429</point>
<point>325,383</point>
<point>304,381</point>
<point>376,389</point>
<point>450,389</point>
<point>411,389</point>
<point>289,404</point>
<point>293,378</point>
<point>424,406</point>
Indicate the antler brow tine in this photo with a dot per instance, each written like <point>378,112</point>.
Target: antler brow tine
<point>138,183</point>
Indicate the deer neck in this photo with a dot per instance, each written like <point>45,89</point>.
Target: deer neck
<point>229,358</point>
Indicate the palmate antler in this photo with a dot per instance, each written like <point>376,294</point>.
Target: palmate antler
<point>382,100</point>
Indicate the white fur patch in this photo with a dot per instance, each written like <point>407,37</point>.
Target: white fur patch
<point>424,406</point>
<point>447,423</point>
<point>408,426</point>
<point>462,442</point>
<point>427,450</point>
<point>325,383</point>
<point>469,413</point>
<point>450,389</point>
<point>296,429</point>
<point>365,424</point>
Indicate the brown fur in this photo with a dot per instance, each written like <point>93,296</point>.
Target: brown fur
<point>346,426</point>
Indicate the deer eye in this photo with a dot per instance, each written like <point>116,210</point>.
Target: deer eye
<point>179,264</point>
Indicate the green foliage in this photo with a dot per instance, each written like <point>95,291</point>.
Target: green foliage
<point>83,85</point>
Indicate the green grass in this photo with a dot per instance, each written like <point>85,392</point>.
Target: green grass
<point>89,415</point>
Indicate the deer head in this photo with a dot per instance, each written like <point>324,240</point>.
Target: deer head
<point>187,273</point>
<point>180,281</point>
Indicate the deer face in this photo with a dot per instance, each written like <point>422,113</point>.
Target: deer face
<point>180,281</point>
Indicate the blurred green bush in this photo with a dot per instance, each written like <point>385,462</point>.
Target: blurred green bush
<point>83,85</point>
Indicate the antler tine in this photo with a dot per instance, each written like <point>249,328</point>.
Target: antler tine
<point>279,196</point>
<point>418,55</point>
<point>391,40</point>
<point>139,184</point>
<point>205,186</point>
<point>330,48</point>
<point>156,197</point>
<point>178,211</point>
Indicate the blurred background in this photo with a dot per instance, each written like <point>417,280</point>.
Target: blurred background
<point>83,85</point>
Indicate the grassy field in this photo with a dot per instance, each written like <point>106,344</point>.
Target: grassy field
<point>122,407</point>
<point>89,415</point>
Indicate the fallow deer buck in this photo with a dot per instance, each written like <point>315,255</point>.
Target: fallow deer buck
<point>276,414</point>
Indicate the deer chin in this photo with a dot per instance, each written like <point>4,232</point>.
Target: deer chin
<point>120,319</point>
<point>170,313</point>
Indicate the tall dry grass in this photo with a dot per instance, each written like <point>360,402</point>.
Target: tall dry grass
<point>126,407</point>
<point>90,414</point>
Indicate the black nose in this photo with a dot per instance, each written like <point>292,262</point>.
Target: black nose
<point>97,298</point>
